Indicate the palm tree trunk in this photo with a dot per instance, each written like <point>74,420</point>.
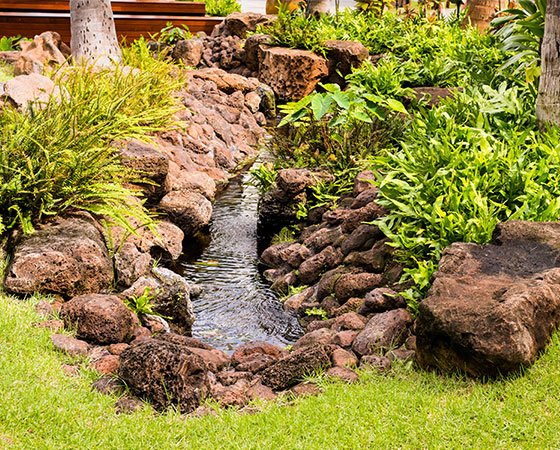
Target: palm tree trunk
<point>548,99</point>
<point>94,38</point>
<point>481,12</point>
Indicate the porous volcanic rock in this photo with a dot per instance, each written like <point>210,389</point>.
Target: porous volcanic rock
<point>166,373</point>
<point>383,331</point>
<point>24,90</point>
<point>343,56</point>
<point>100,319</point>
<point>493,308</point>
<point>292,74</point>
<point>67,257</point>
<point>289,370</point>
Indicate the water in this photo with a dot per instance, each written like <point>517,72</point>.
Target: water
<point>237,305</point>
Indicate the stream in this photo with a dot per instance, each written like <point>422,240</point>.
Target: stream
<point>236,305</point>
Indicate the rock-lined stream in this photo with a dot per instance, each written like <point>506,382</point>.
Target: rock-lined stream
<point>237,304</point>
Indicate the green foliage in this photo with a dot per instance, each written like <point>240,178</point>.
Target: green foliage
<point>57,156</point>
<point>296,30</point>
<point>263,176</point>
<point>222,8</point>
<point>522,31</point>
<point>461,169</point>
<point>320,313</point>
<point>10,43</point>
<point>143,304</point>
<point>170,34</point>
<point>284,235</point>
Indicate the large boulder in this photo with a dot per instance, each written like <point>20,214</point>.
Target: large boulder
<point>493,308</point>
<point>166,373</point>
<point>67,257</point>
<point>291,73</point>
<point>100,319</point>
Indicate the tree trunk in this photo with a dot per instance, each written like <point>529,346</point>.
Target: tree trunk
<point>94,38</point>
<point>481,12</point>
<point>548,100</point>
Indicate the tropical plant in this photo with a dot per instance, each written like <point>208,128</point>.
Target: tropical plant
<point>57,156</point>
<point>170,34</point>
<point>522,31</point>
<point>222,8</point>
<point>143,304</point>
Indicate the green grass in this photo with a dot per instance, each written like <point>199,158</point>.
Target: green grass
<point>40,408</point>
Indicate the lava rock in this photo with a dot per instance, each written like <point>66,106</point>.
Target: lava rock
<point>290,369</point>
<point>165,373</point>
<point>100,319</point>
<point>383,331</point>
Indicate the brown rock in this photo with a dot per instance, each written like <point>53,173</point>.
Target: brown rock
<point>383,299</point>
<point>319,337</point>
<point>179,179</point>
<point>349,321</point>
<point>311,269</point>
<point>343,358</point>
<point>290,369</point>
<point>355,285</point>
<point>148,162</point>
<point>70,345</point>
<point>322,238</point>
<point>166,373</point>
<point>46,50</point>
<point>345,338</point>
<point>343,56</point>
<point>305,389</point>
<point>191,211</point>
<point>361,238</point>
<point>235,395</point>
<point>214,359</point>
<point>67,256</point>
<point>379,363</point>
<point>292,74</point>
<point>53,325</point>
<point>117,349</point>
<point>131,264</point>
<point>432,96</point>
<point>256,348</point>
<point>260,391</point>
<point>239,24</point>
<point>189,52</point>
<point>106,365</point>
<point>383,331</point>
<point>493,308</point>
<point>108,385</point>
<point>229,377</point>
<point>25,90</point>
<point>343,374</point>
<point>401,354</point>
<point>296,301</point>
<point>101,319</point>
<point>352,305</point>
<point>256,362</point>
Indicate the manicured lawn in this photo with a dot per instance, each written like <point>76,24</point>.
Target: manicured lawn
<point>41,408</point>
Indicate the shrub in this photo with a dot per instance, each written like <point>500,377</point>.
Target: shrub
<point>57,156</point>
<point>461,169</point>
<point>222,8</point>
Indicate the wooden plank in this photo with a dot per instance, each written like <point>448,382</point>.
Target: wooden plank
<point>155,7</point>
<point>129,27</point>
